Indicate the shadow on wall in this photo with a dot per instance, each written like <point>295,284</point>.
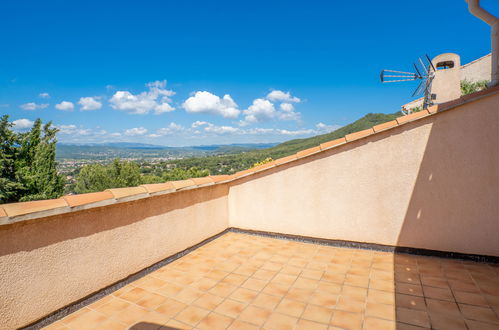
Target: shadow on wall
<point>35,234</point>
<point>454,202</point>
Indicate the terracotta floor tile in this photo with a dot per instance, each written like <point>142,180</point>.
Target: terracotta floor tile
<point>317,314</point>
<point>354,293</point>
<point>149,283</point>
<point>230,308</point>
<point>208,301</point>
<point>330,276</point>
<point>382,285</point>
<point>57,326</point>
<point>188,295</point>
<point>437,282</point>
<point>101,302</point>
<point>263,274</point>
<point>266,301</point>
<point>273,266</point>
<point>254,315</point>
<point>414,317</point>
<point>442,307</point>
<point>482,314</point>
<point>110,324</point>
<point>151,300</point>
<point>240,325</point>
<point>245,270</point>
<point>310,325</point>
<point>87,320</point>
<point>476,325</point>
<point>380,297</point>
<point>305,283</point>
<point>174,324</point>
<point>278,321</point>
<point>410,289</point>
<point>192,315</point>
<point>203,284</point>
<point>217,274</point>
<point>371,323</point>
<point>169,289</point>
<point>347,320</point>
<point>445,321</point>
<point>438,293</point>
<point>298,294</point>
<point>214,321</point>
<point>355,280</point>
<point>312,274</point>
<point>463,286</point>
<point>290,307</point>
<point>381,311</point>
<point>411,302</point>
<point>323,298</point>
<point>254,284</point>
<point>290,270</point>
<point>113,307</point>
<point>131,314</point>
<point>171,308</point>
<point>222,289</point>
<point>284,279</point>
<point>350,305</point>
<point>333,288</point>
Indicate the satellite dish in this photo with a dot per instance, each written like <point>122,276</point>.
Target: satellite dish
<point>425,71</point>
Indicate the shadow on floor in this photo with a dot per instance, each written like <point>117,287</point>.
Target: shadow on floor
<point>150,326</point>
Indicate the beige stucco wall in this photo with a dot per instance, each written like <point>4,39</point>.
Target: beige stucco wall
<point>48,263</point>
<point>480,69</point>
<point>430,184</point>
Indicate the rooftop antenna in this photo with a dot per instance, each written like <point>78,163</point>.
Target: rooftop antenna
<point>425,71</point>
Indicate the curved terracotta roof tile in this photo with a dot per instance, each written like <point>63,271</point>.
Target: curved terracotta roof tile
<point>220,178</point>
<point>81,199</point>
<point>285,160</point>
<point>21,208</point>
<point>384,126</point>
<point>264,166</point>
<point>359,134</point>
<point>412,116</point>
<point>202,181</point>
<point>330,144</point>
<point>309,151</point>
<point>244,173</point>
<point>179,184</point>
<point>153,188</point>
<point>127,192</point>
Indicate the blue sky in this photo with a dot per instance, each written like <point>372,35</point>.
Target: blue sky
<point>201,72</point>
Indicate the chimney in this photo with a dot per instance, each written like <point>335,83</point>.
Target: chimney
<point>475,9</point>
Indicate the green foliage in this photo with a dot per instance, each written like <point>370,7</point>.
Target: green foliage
<point>468,87</point>
<point>119,174</point>
<point>265,161</point>
<point>97,177</point>
<point>182,174</point>
<point>27,163</point>
<point>228,164</point>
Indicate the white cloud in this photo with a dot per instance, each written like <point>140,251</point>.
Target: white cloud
<point>65,106</point>
<point>210,128</point>
<point>33,106</point>
<point>22,124</point>
<point>198,123</point>
<point>74,130</point>
<point>206,102</point>
<point>288,107</point>
<point>44,95</point>
<point>322,128</point>
<point>156,99</point>
<point>281,96</point>
<point>136,131</point>
<point>260,110</point>
<point>89,103</point>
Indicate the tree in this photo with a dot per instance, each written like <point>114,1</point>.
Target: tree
<point>468,87</point>
<point>28,170</point>
<point>97,177</point>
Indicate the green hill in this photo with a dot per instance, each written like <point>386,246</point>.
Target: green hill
<point>228,164</point>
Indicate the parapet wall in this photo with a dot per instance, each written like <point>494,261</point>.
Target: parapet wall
<point>48,263</point>
<point>430,184</point>
<point>428,180</point>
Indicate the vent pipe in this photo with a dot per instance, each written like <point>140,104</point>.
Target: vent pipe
<point>475,9</point>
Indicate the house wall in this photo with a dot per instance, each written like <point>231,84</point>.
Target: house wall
<point>48,263</point>
<point>431,184</point>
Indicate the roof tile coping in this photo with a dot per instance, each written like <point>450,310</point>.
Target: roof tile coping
<point>332,144</point>
<point>29,210</point>
<point>183,184</point>
<point>159,188</point>
<point>359,135</point>
<point>308,152</point>
<point>203,181</point>
<point>89,198</point>
<point>129,193</point>
<point>33,209</point>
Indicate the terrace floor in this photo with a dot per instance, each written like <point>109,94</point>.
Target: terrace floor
<point>241,281</point>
